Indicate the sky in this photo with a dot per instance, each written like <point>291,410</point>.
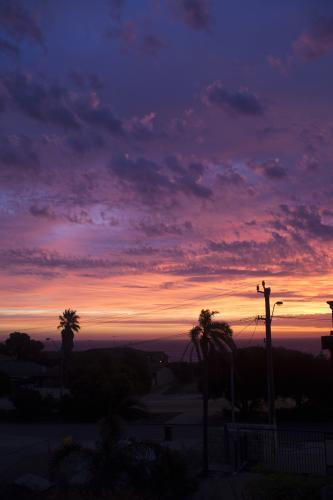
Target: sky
<point>162,156</point>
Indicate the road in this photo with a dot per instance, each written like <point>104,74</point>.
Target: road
<point>25,447</point>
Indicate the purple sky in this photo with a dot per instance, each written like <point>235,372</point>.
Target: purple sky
<point>155,153</point>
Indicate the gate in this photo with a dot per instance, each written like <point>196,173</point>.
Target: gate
<point>284,450</point>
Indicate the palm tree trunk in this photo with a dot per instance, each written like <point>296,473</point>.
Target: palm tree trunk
<point>197,348</point>
<point>204,364</point>
<point>205,418</point>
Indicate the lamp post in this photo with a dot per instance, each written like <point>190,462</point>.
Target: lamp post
<point>278,303</point>
<point>327,340</point>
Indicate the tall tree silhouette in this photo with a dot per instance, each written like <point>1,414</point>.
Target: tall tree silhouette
<point>209,337</point>
<point>69,324</point>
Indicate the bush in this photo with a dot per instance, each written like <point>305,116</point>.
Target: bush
<point>149,469</point>
<point>184,372</point>
<point>68,446</point>
<point>99,380</point>
<point>30,404</point>
<point>5,385</point>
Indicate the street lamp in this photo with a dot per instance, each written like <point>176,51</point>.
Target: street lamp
<point>278,303</point>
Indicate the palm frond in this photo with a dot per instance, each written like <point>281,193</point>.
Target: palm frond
<point>225,338</point>
<point>195,333</point>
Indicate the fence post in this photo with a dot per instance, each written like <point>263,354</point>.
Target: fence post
<point>226,444</point>
<point>329,453</point>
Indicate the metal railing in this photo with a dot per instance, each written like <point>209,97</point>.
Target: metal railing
<point>283,450</point>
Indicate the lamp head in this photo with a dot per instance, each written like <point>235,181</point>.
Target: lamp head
<point>279,303</point>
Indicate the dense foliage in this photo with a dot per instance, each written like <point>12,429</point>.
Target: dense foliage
<point>102,381</point>
<point>22,347</point>
<point>300,376</point>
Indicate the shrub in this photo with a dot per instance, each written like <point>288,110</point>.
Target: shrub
<point>5,384</point>
<point>30,404</point>
<point>149,469</point>
<point>67,447</point>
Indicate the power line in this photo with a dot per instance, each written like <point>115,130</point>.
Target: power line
<point>300,318</point>
<point>254,331</point>
<point>237,335</point>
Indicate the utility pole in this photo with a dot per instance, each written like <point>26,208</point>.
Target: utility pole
<point>269,354</point>
<point>232,386</point>
<point>327,340</point>
<point>330,303</point>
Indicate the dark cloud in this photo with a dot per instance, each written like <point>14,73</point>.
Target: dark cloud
<point>271,131</point>
<point>279,254</point>
<point>230,177</point>
<point>42,212</point>
<point>201,273</point>
<point>252,252</point>
<point>188,178</point>
<point>196,170</point>
<point>144,128</point>
<point>271,169</point>
<point>150,179</point>
<point>313,43</point>
<point>307,220</point>
<point>237,102</point>
<point>195,13</point>
<point>188,185</point>
<point>30,258</point>
<point>18,23</point>
<point>126,32</point>
<point>3,102</point>
<point>317,41</point>
<point>84,80</point>
<point>116,8</point>
<point>152,44</point>
<point>144,251</point>
<point>9,48</point>
<point>174,166</point>
<point>48,104</point>
<point>53,104</point>
<point>82,143</point>
<point>158,229</point>
<point>132,36</point>
<point>45,212</point>
<point>18,155</point>
<point>275,171</point>
<point>101,117</point>
<point>143,175</point>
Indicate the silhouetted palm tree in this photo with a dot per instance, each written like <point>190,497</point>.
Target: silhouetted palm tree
<point>209,337</point>
<point>69,323</point>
